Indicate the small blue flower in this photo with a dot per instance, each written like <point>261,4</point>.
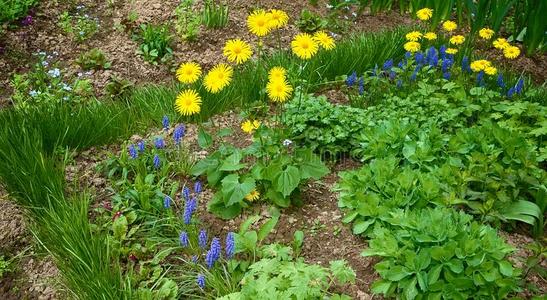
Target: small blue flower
<point>408,55</point>
<point>132,151</point>
<point>480,78</point>
<point>446,75</point>
<point>167,201</point>
<point>140,145</point>
<point>178,134</point>
<point>159,143</point>
<point>501,82</point>
<point>465,65</point>
<point>54,73</point>
<point>197,187</point>
<point>201,281</point>
<point>165,122</point>
<point>419,57</point>
<point>392,75</point>
<point>434,60</point>
<point>350,81</point>
<point>401,64</point>
<point>447,63</point>
<point>202,239</point>
<point>362,86</point>
<point>213,254</point>
<point>511,92</point>
<point>189,209</point>
<point>195,259</point>
<point>186,193</point>
<point>388,64</point>
<point>157,161</point>
<point>230,245</point>
<point>519,86</point>
<point>183,238</point>
<point>442,51</point>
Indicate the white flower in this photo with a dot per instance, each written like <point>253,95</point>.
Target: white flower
<point>287,143</point>
<point>33,93</point>
<point>54,73</point>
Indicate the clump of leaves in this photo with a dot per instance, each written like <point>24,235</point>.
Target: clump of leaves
<point>441,253</point>
<point>118,88</point>
<point>80,27</point>
<point>277,173</point>
<point>187,22</point>
<point>13,9</point>
<point>215,15</point>
<point>155,43</point>
<point>93,59</point>
<point>310,22</point>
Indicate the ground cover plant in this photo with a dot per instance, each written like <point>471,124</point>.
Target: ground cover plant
<point>297,163</point>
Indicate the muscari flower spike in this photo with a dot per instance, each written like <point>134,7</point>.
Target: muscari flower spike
<point>165,122</point>
<point>230,245</point>
<point>446,75</point>
<point>519,86</point>
<point>189,209</point>
<point>480,78</point>
<point>167,201</point>
<point>201,281</point>
<point>178,134</point>
<point>195,259</point>
<point>157,161</point>
<point>500,81</point>
<point>132,151</point>
<point>362,86</point>
<point>465,65</point>
<point>183,238</point>
<point>159,143</point>
<point>350,81</point>
<point>442,51</point>
<point>419,57</point>
<point>186,193</point>
<point>140,145</point>
<point>202,239</point>
<point>511,92</point>
<point>388,64</point>
<point>213,254</point>
<point>197,187</point>
<point>408,55</point>
<point>392,75</point>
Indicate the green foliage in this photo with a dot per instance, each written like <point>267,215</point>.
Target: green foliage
<point>277,172</point>
<point>11,10</point>
<point>118,88</point>
<point>93,59</point>
<point>215,15</point>
<point>155,43</point>
<point>310,22</point>
<point>531,25</point>
<point>442,254</point>
<point>80,27</point>
<point>187,22</point>
<point>5,266</point>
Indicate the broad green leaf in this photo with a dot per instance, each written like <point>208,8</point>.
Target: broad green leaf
<point>234,191</point>
<point>287,181</point>
<point>267,227</point>
<point>361,226</point>
<point>232,162</point>
<point>381,286</point>
<point>506,268</point>
<point>119,227</point>
<point>204,139</point>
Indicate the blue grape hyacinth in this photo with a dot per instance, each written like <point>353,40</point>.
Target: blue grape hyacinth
<point>519,86</point>
<point>500,81</point>
<point>132,151</point>
<point>140,145</point>
<point>230,245</point>
<point>159,143</point>
<point>350,81</point>
<point>178,134</point>
<point>201,281</point>
<point>165,122</point>
<point>197,187</point>
<point>157,161</point>
<point>186,193</point>
<point>202,239</point>
<point>183,238</point>
<point>167,201</point>
<point>213,254</point>
<point>189,210</point>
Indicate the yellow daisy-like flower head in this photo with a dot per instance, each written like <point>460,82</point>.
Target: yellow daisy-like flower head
<point>253,196</point>
<point>259,23</point>
<point>450,26</point>
<point>277,74</point>
<point>237,51</point>
<point>304,46</point>
<point>451,51</point>
<point>279,90</point>
<point>430,36</point>
<point>413,36</point>
<point>501,43</point>
<point>480,65</point>
<point>491,71</point>
<point>324,40</point>
<point>188,102</point>
<point>188,72</point>
<point>412,46</point>
<point>218,78</point>
<point>486,33</point>
<point>278,18</point>
<point>250,126</point>
<point>511,52</point>
<point>457,40</point>
<point>424,14</point>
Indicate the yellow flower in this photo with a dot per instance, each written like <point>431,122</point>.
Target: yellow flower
<point>450,25</point>
<point>479,65</point>
<point>237,51</point>
<point>412,46</point>
<point>451,51</point>
<point>188,72</point>
<point>413,36</point>
<point>490,71</point>
<point>500,43</point>
<point>188,102</point>
<point>304,46</point>
<point>253,195</point>
<point>324,40</point>
<point>278,18</point>
<point>457,40</point>
<point>279,90</point>
<point>276,74</point>
<point>424,14</point>
<point>486,33</point>
<point>218,78</point>
<point>250,126</point>
<point>430,36</point>
<point>511,52</point>
<point>259,23</point>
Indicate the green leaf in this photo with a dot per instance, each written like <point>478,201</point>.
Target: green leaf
<point>234,191</point>
<point>397,273</point>
<point>119,228</point>
<point>250,221</point>
<point>342,272</point>
<point>231,163</point>
<point>381,287</point>
<point>287,181</point>
<point>204,139</point>
<point>278,198</point>
<point>298,240</point>
<point>506,268</point>
<point>267,227</point>
<point>361,226</point>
